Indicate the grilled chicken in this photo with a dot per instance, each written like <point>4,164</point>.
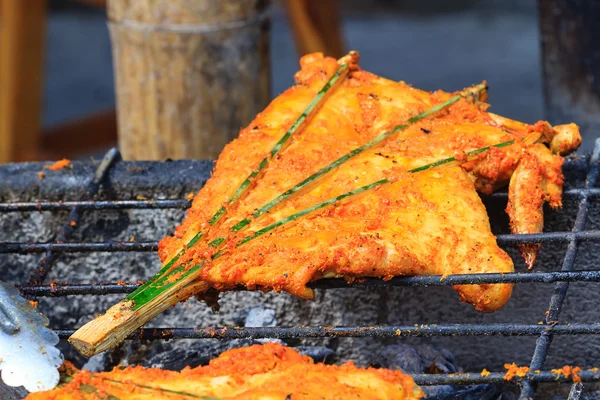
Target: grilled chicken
<point>430,222</point>
<point>269,372</point>
<point>427,222</point>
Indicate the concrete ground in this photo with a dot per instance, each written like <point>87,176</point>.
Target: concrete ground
<point>430,44</point>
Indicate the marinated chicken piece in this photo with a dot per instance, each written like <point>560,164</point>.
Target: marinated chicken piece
<point>269,372</point>
<point>430,222</point>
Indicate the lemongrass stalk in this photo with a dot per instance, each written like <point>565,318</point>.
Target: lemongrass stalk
<point>474,91</point>
<point>314,105</point>
<point>162,281</point>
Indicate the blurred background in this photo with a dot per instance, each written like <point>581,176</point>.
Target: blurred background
<point>431,44</point>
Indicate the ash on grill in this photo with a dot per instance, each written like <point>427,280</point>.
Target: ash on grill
<point>103,247</point>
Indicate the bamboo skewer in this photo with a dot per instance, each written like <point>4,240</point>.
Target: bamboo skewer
<point>172,285</point>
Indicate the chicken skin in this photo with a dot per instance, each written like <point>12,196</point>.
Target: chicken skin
<point>259,372</point>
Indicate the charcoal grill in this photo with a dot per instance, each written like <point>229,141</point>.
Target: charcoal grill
<point>582,173</point>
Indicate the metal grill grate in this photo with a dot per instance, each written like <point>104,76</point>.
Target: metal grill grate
<point>544,331</point>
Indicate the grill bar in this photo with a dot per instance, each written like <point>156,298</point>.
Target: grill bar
<point>544,331</point>
<point>65,289</point>
<point>95,205</point>
<point>26,248</point>
<point>181,204</point>
<point>46,263</point>
<point>498,377</point>
<point>390,331</point>
<point>560,291</point>
<point>505,239</point>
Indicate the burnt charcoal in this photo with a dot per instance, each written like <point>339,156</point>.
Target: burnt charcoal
<point>436,360</point>
<point>400,356</point>
<point>433,360</point>
<point>177,358</point>
<point>477,392</point>
<point>261,316</point>
<point>211,298</point>
<point>317,353</point>
<point>416,359</point>
<point>165,355</point>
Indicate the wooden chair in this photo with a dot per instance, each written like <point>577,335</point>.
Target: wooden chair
<point>315,26</point>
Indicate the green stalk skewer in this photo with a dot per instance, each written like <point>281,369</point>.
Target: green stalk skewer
<point>296,126</point>
<point>163,283</point>
<point>157,282</point>
<point>282,197</point>
<point>156,279</point>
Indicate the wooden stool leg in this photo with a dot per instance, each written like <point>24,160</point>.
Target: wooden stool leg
<point>327,19</point>
<point>316,26</point>
<point>22,36</point>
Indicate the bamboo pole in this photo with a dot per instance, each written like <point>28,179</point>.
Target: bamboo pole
<point>188,74</point>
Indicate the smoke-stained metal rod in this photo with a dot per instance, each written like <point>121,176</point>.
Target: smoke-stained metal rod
<point>386,331</point>
<point>505,239</point>
<point>95,205</point>
<point>65,289</point>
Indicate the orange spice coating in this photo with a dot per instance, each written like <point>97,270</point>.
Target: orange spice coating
<point>432,222</point>
<point>568,371</point>
<point>269,371</point>
<point>59,165</point>
<point>514,370</point>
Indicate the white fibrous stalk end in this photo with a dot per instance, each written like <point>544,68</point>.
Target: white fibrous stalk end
<point>28,356</point>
